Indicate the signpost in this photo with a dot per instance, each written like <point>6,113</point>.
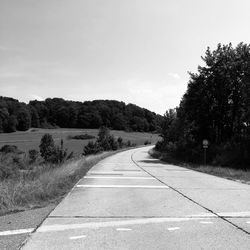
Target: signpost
<point>205,146</point>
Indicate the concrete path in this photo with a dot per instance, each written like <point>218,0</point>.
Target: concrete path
<point>131,201</point>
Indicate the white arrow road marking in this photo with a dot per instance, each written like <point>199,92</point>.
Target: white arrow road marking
<point>118,177</point>
<point>120,186</point>
<point>77,237</point>
<point>19,231</point>
<point>97,225</point>
<point>173,228</point>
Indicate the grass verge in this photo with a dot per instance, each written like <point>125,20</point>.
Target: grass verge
<point>45,185</point>
<point>224,172</point>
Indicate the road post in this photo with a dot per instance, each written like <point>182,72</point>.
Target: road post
<point>205,146</point>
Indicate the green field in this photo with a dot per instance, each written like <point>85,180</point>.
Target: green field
<point>31,138</point>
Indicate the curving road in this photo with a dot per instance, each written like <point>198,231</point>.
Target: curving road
<point>131,201</point>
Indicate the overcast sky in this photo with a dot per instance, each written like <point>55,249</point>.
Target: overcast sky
<point>127,50</point>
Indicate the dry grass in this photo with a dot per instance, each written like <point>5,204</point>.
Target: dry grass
<point>46,185</point>
<point>224,172</point>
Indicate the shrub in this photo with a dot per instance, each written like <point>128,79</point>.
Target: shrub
<point>33,155</point>
<point>113,144</point>
<point>10,149</point>
<point>50,152</point>
<point>47,147</point>
<point>120,142</point>
<point>147,142</point>
<point>92,148</point>
<point>81,137</point>
<point>7,170</point>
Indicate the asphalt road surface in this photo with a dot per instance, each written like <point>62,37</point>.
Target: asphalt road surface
<point>131,201</point>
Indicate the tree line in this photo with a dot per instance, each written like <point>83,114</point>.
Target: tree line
<point>57,112</point>
<point>216,107</point>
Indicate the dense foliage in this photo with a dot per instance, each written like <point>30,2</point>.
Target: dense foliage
<point>58,112</point>
<point>216,106</point>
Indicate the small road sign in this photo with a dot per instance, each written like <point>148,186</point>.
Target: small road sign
<point>205,143</point>
<point>205,146</point>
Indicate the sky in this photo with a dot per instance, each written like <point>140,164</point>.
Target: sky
<point>136,51</point>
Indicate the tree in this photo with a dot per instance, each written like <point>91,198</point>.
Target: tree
<point>23,119</point>
<point>47,147</point>
<point>214,107</point>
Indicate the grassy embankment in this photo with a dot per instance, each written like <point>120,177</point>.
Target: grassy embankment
<point>46,184</point>
<point>224,172</point>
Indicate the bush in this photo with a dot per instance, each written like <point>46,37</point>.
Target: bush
<point>81,137</point>
<point>10,149</point>
<point>147,142</point>
<point>10,164</point>
<point>7,170</point>
<point>128,144</point>
<point>50,152</point>
<point>47,147</point>
<point>120,142</point>
<point>92,148</point>
<point>33,155</point>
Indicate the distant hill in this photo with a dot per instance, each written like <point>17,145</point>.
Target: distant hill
<point>57,112</point>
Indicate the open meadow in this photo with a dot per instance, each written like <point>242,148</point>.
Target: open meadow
<point>31,139</point>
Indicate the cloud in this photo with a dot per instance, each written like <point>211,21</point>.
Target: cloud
<point>174,75</point>
<point>155,96</point>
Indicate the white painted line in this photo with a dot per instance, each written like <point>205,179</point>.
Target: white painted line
<point>204,215</point>
<point>173,228</point>
<point>77,237</point>
<point>248,222</point>
<point>123,229</point>
<point>118,177</point>
<point>113,172</point>
<point>234,214</point>
<point>97,225</point>
<point>121,186</point>
<point>18,231</point>
<point>206,222</point>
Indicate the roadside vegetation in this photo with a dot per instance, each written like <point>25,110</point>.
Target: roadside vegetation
<point>44,184</point>
<point>44,176</point>
<point>215,107</point>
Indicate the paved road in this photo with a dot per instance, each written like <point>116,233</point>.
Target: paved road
<point>131,201</point>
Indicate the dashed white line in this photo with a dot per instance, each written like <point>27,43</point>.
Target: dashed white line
<point>206,222</point>
<point>121,186</point>
<point>18,231</point>
<point>173,228</point>
<point>234,214</point>
<point>77,237</point>
<point>118,177</point>
<point>97,225</point>
<point>123,229</point>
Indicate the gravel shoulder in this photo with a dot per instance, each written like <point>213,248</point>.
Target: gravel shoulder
<point>22,220</point>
